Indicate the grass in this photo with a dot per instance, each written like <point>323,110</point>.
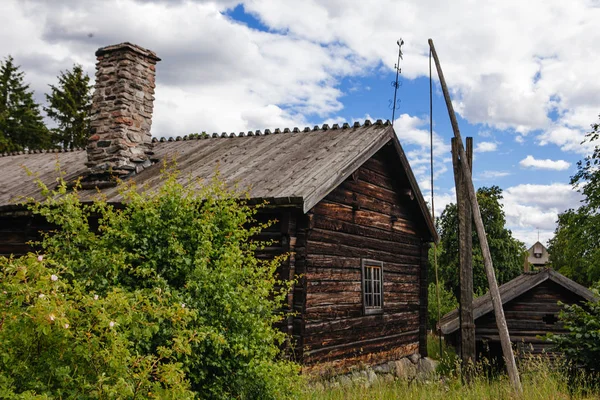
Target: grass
<point>541,379</point>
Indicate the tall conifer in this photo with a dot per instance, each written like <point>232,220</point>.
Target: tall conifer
<point>69,105</point>
<point>21,125</point>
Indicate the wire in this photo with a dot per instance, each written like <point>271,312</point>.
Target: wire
<point>435,264</point>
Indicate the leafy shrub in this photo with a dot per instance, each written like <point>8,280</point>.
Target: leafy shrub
<point>581,344</point>
<point>447,303</point>
<point>161,297</point>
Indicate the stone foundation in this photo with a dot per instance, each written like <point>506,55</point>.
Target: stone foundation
<point>409,368</point>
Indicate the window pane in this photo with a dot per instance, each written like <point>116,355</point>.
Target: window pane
<point>373,286</point>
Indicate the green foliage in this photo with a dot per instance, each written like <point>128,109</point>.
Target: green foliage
<point>447,303</point>
<point>193,308</point>
<point>69,105</point>
<point>575,248</point>
<point>587,178</point>
<point>21,125</point>
<point>507,252</point>
<point>444,353</point>
<point>62,340</point>
<point>581,343</point>
<point>197,135</point>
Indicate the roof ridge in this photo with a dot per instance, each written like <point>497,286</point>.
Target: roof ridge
<point>197,136</point>
<point>276,131</point>
<point>40,151</point>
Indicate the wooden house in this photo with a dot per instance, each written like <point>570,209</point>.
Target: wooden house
<point>347,206</point>
<point>531,309</point>
<point>538,256</point>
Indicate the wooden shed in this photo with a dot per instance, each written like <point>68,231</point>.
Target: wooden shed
<point>347,205</point>
<point>531,308</point>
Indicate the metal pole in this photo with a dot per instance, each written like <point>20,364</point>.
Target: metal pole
<point>509,356</point>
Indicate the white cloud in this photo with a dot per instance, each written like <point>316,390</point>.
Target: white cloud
<point>414,132</point>
<point>566,138</point>
<point>555,165</point>
<point>506,67</point>
<point>529,237</point>
<point>531,207</point>
<point>216,74</point>
<point>492,174</point>
<point>519,139</point>
<point>484,147</point>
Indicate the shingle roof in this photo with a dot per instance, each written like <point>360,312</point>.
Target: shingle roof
<point>289,166</point>
<point>510,290</point>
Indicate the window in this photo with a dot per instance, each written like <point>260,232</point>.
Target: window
<point>372,274</point>
<point>550,319</point>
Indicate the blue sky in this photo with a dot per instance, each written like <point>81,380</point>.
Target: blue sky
<point>522,76</point>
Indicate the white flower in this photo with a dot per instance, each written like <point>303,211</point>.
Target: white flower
<point>40,257</point>
<point>54,278</point>
<point>182,305</point>
<point>51,317</point>
<point>41,296</point>
<point>111,324</point>
<point>66,326</point>
<point>95,297</point>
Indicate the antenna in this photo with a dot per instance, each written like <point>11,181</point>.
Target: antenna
<point>393,105</point>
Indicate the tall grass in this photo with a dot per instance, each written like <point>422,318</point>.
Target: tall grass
<point>542,379</point>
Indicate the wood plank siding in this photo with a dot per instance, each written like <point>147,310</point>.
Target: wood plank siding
<point>368,216</point>
<point>529,316</point>
<point>530,303</point>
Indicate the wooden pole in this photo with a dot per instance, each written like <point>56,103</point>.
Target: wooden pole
<point>465,243</point>
<point>507,350</point>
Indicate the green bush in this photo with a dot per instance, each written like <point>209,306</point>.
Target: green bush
<point>447,303</point>
<point>581,343</point>
<point>162,297</point>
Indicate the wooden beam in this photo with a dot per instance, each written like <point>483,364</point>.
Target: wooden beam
<point>465,242</point>
<point>507,350</point>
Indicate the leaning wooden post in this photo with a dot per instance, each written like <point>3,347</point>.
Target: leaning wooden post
<point>509,356</point>
<point>465,247</point>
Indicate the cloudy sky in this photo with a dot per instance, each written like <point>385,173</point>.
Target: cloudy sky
<point>523,76</point>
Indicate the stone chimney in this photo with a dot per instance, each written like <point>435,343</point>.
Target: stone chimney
<point>120,143</point>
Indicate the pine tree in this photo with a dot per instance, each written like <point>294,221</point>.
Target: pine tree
<point>21,125</point>
<point>69,105</point>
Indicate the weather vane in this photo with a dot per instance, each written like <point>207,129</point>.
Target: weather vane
<point>394,105</point>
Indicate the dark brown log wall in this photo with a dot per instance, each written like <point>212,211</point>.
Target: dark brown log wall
<point>17,229</point>
<point>369,216</point>
<point>529,316</point>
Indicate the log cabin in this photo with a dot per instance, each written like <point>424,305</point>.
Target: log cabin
<point>531,307</point>
<point>346,203</point>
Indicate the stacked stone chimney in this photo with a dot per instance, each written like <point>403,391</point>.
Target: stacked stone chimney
<point>120,143</point>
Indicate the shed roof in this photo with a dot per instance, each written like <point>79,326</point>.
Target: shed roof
<point>510,290</point>
<point>289,167</point>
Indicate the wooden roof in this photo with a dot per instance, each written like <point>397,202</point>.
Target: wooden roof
<point>510,290</point>
<point>289,167</point>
